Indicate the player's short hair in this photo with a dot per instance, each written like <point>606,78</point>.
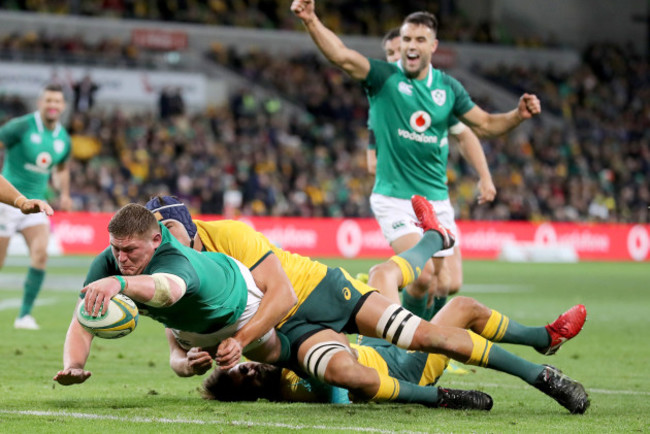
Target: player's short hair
<point>423,18</point>
<point>220,386</point>
<point>132,219</point>
<point>170,207</point>
<point>392,34</point>
<point>53,87</point>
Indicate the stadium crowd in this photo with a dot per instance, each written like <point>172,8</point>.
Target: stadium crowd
<point>253,157</point>
<point>364,17</point>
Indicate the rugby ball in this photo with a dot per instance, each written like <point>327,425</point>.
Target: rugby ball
<point>120,318</point>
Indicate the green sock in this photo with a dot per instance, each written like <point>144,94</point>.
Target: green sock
<point>523,335</point>
<point>419,254</point>
<point>503,361</point>
<point>500,328</point>
<point>418,306</point>
<point>410,392</point>
<point>438,303</point>
<point>33,284</point>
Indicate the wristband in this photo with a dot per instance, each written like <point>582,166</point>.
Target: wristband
<point>123,283</point>
<point>17,199</point>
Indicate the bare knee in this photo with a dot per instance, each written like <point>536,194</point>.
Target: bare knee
<point>455,282</point>
<point>39,258</point>
<point>344,371</point>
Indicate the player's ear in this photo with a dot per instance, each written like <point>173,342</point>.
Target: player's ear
<point>434,46</point>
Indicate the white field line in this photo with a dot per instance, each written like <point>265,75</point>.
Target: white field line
<point>13,303</point>
<point>136,419</point>
<point>521,387</point>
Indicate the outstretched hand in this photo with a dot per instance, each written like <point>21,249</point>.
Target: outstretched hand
<point>32,206</point>
<point>529,106</point>
<point>71,376</point>
<point>303,9</point>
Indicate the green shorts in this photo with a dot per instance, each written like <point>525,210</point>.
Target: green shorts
<point>332,305</point>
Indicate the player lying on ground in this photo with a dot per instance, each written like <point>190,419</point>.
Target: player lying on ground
<point>330,302</point>
<point>250,380</point>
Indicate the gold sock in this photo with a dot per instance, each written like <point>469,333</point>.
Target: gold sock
<point>496,327</point>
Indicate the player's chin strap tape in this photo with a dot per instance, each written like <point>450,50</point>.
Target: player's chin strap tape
<point>319,356</point>
<point>162,296</point>
<point>397,325</point>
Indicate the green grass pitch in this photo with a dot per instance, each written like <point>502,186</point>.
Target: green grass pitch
<point>133,389</point>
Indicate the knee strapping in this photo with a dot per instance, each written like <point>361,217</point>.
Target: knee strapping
<point>319,356</point>
<point>397,325</point>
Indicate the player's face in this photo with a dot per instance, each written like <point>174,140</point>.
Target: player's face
<point>179,232</point>
<point>391,50</point>
<point>250,378</point>
<point>417,46</point>
<point>51,105</point>
<point>134,253</point>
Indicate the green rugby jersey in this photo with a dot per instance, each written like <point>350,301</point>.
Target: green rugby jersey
<point>216,290</point>
<point>32,152</point>
<point>410,119</point>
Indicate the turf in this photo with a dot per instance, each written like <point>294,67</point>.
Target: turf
<point>132,387</point>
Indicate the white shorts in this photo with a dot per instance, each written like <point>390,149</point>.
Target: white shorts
<point>397,218</point>
<point>12,220</point>
<point>188,340</point>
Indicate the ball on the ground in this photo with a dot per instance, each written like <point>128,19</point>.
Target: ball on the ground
<point>120,318</point>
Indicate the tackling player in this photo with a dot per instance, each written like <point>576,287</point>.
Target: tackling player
<point>249,381</point>
<point>37,146</point>
<point>331,302</point>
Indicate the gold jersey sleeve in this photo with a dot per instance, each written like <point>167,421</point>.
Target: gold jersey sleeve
<point>242,242</point>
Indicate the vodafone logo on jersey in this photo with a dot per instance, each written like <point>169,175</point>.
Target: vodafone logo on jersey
<point>44,160</point>
<point>420,121</point>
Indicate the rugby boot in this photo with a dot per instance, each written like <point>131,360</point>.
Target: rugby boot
<point>565,327</point>
<point>428,220</point>
<point>463,399</point>
<point>566,391</point>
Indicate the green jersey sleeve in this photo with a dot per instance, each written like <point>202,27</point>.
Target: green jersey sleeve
<point>11,131</point>
<point>379,73</point>
<point>463,102</point>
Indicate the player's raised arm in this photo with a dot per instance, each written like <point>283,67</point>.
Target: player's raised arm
<point>351,61</point>
<point>494,124</point>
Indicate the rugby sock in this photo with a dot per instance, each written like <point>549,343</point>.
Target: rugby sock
<point>488,355</point>
<point>391,389</point>
<point>412,260</point>
<point>32,287</point>
<point>438,303</point>
<point>500,328</point>
<point>418,306</point>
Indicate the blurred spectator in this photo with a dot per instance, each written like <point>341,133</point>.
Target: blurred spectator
<point>84,94</point>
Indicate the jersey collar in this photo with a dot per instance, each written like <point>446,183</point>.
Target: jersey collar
<point>41,127</point>
<point>429,75</point>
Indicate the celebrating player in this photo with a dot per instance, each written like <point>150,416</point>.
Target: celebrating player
<point>446,266</point>
<point>37,146</point>
<point>331,302</point>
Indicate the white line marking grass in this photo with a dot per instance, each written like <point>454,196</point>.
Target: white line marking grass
<point>75,415</point>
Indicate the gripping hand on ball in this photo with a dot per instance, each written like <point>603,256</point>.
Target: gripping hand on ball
<point>98,294</point>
